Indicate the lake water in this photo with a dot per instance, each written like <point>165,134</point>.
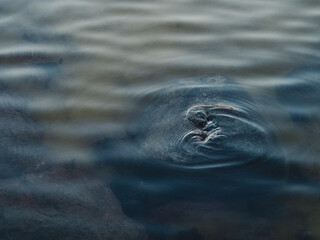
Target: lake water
<point>100,137</point>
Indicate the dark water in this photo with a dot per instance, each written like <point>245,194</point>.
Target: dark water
<point>160,120</point>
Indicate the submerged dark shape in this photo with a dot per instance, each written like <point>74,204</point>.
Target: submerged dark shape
<point>201,141</point>
<point>204,123</point>
<point>200,137</point>
<point>18,130</point>
<point>62,203</point>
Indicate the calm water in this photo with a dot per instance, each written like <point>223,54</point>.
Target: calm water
<point>160,119</point>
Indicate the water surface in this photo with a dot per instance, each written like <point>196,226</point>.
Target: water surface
<point>91,93</point>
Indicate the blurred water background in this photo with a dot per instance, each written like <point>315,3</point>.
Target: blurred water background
<point>71,76</point>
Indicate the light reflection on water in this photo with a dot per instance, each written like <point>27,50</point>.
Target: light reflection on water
<point>75,77</point>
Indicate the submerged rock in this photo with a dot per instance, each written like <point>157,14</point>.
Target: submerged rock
<point>40,198</point>
<point>19,134</point>
<point>62,204</point>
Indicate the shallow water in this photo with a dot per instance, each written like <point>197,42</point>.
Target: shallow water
<point>94,100</point>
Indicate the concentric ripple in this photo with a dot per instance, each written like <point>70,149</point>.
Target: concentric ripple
<point>222,136</point>
<point>204,123</point>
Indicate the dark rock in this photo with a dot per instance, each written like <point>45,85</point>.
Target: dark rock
<point>62,205</point>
